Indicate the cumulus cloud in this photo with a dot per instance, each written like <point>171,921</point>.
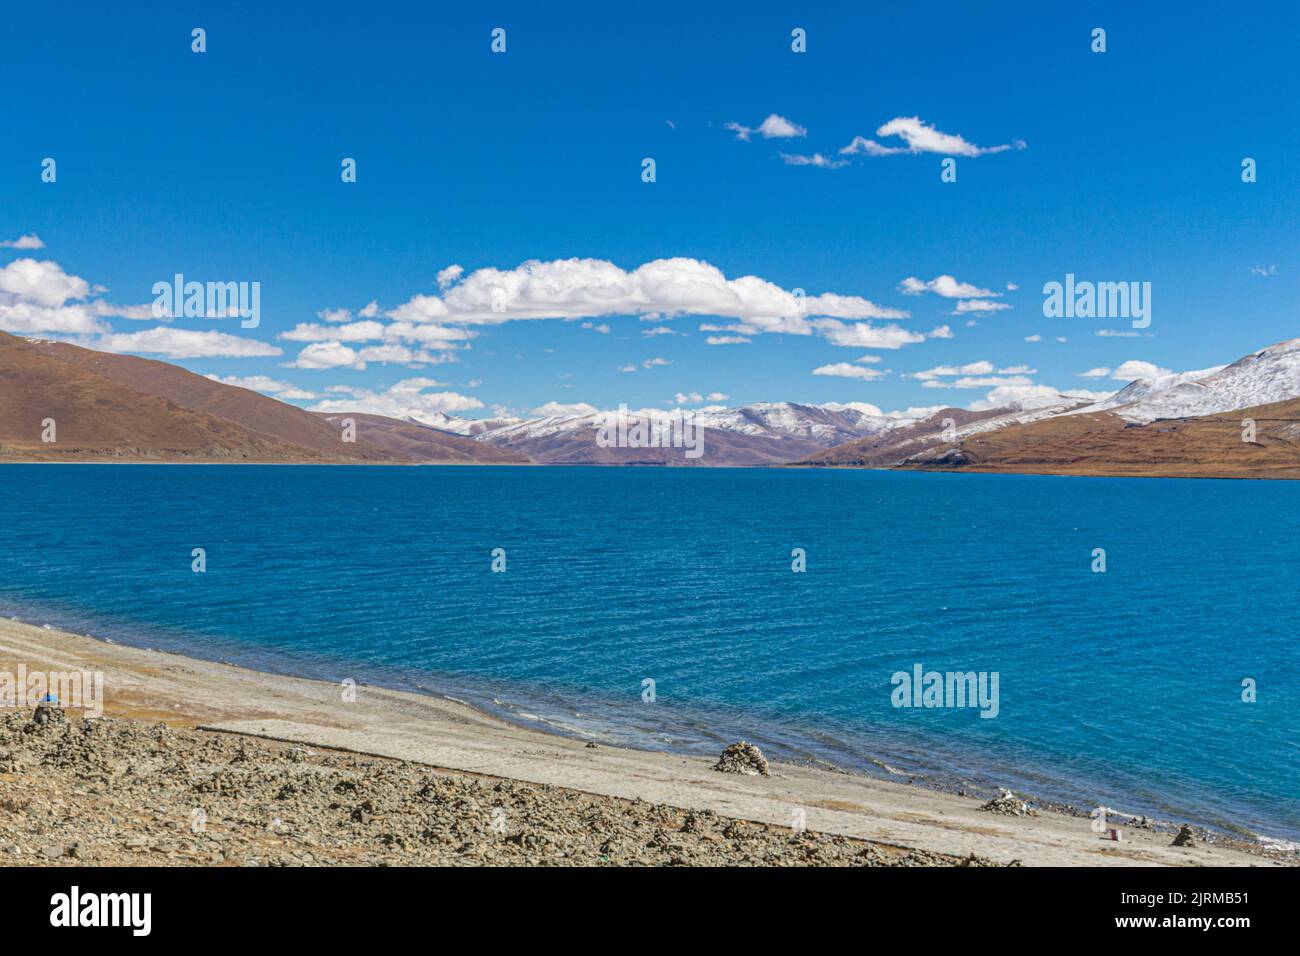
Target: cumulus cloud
<point>448,276</point>
<point>1134,369</point>
<point>982,367</point>
<point>848,370</point>
<point>593,288</point>
<point>185,343</point>
<point>946,286</point>
<point>1100,372</point>
<point>409,398</point>
<point>29,241</point>
<point>42,283</point>
<point>334,354</point>
<point>979,305</point>
<point>774,127</point>
<point>266,385</point>
<point>867,336</point>
<point>920,137</point>
<point>364,331</point>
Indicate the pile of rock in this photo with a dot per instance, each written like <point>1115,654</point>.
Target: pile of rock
<point>743,758</point>
<point>1008,804</point>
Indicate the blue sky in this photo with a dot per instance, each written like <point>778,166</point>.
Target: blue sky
<point>225,166</point>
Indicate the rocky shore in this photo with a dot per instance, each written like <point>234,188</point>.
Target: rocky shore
<point>203,763</point>
<point>127,792</point>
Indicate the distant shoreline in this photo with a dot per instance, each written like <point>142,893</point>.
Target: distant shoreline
<point>661,467</point>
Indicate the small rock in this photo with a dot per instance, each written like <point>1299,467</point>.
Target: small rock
<point>1185,837</point>
<point>1008,804</point>
<point>743,758</point>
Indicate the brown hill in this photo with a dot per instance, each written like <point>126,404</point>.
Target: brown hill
<point>121,407</point>
<point>890,448</point>
<point>252,410</point>
<point>1102,443</point>
<point>423,443</point>
<point>97,419</point>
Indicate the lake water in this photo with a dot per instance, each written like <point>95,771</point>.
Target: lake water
<point>1121,688</point>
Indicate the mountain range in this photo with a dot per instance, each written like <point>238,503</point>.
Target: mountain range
<point>111,407</point>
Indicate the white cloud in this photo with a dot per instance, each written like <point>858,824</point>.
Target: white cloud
<point>408,398</point>
<point>726,340</point>
<point>627,368</point>
<point>980,305</point>
<point>43,283</point>
<point>321,355</point>
<point>449,276</point>
<point>364,331</point>
<point>920,137</point>
<point>982,367</point>
<point>946,286</point>
<point>717,396</point>
<point>370,311</point>
<point>848,370</point>
<point>815,159</point>
<point>688,398</point>
<point>1100,372</point>
<point>29,241</point>
<point>867,336</point>
<point>592,288</point>
<point>603,328</point>
<point>335,315</point>
<point>1033,338</point>
<point>657,330</point>
<point>654,362</point>
<point>939,332</point>
<point>185,343</point>
<point>266,385</point>
<point>1134,369</point>
<point>1254,270</point>
<point>774,127</point>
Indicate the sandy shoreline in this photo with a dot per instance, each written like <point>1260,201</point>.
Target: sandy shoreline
<point>189,694</point>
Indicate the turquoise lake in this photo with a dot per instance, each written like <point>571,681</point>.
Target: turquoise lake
<point>1121,688</point>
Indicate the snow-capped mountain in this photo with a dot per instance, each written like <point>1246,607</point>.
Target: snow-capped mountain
<point>827,424</point>
<point>780,432</point>
<point>1269,375</point>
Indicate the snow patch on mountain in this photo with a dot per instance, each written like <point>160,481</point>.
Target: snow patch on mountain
<point>1261,378</point>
